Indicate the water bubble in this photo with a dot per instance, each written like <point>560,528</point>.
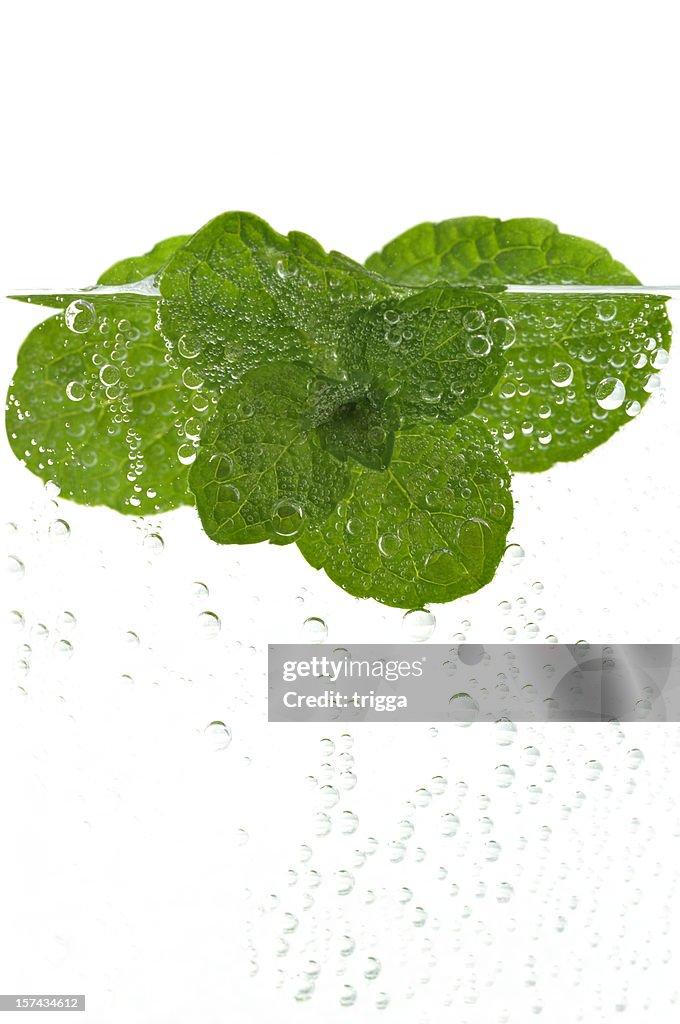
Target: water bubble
<point>348,996</point>
<point>75,391</point>
<point>349,823</point>
<point>59,529</point>
<point>188,348</point>
<point>530,755</point>
<point>109,375</point>
<point>478,345</point>
<point>492,851</point>
<point>431,392</point>
<point>514,553</point>
<point>287,518</point>
<point>315,630</point>
<point>610,393</point>
<point>66,621</point>
<point>199,592</point>
<point>503,332</point>
<point>634,758</point>
<point>605,310</point>
<point>504,892</point>
<point>389,544</point>
<point>593,770</point>
<point>80,316</point>
<point>344,882</point>
<point>474,320</point>
<point>504,775</point>
<point>218,734</point>
<point>322,824</point>
<point>63,648</point>
<point>419,624</point>
<point>329,796</point>
<point>209,624</point>
<point>660,359</point>
<point>153,543</point>
<point>562,374</point>
<point>464,708</point>
<point>186,454</point>
<point>372,969</point>
<point>633,407</point>
<point>506,732</point>
<point>450,824</point>
<point>16,619</point>
<point>15,567</point>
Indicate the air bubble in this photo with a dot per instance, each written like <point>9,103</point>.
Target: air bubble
<point>593,770</point>
<point>514,554</point>
<point>504,775</point>
<point>503,332</point>
<point>75,391</point>
<point>605,310</point>
<point>389,544</point>
<point>218,734</point>
<point>562,375</point>
<point>186,454</point>
<point>315,630</point>
<point>80,316</point>
<point>419,624</point>
<point>209,624</point>
<point>59,529</point>
<point>287,518</point>
<point>478,345</point>
<point>109,375</point>
<point>15,567</point>
<point>474,320</point>
<point>610,393</point>
<point>153,543</point>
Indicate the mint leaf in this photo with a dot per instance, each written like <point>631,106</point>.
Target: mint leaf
<point>354,420</point>
<point>261,471</point>
<point>430,528</point>
<point>96,407</point>
<point>137,268</point>
<point>436,351</point>
<point>581,366</point>
<point>239,295</point>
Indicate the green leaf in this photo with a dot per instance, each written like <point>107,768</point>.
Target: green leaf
<point>581,366</point>
<point>430,528</point>
<point>239,295</point>
<point>354,421</point>
<point>137,268</point>
<point>261,471</point>
<point>436,351</point>
<point>96,406</point>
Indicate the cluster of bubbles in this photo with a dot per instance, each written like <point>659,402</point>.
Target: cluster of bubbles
<point>365,910</point>
<point>122,400</point>
<point>570,395</point>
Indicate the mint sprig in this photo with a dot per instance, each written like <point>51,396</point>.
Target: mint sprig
<point>368,414</point>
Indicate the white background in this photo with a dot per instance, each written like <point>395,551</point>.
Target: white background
<point>122,873</point>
